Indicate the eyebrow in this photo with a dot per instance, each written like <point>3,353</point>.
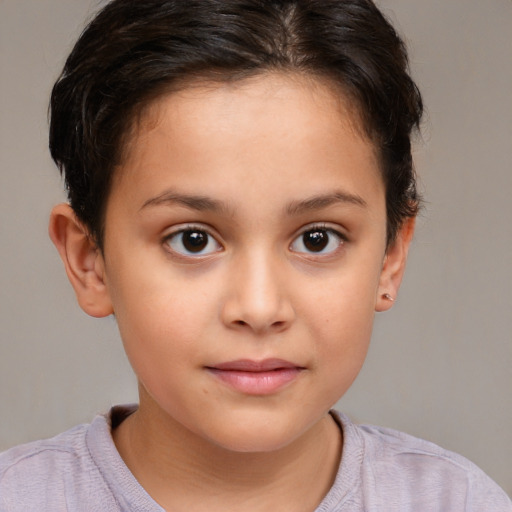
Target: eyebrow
<point>204,203</point>
<point>200,203</point>
<point>323,201</point>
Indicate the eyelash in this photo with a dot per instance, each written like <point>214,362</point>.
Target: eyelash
<point>207,239</point>
<point>320,228</point>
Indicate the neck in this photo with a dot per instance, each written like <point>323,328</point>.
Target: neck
<point>183,471</point>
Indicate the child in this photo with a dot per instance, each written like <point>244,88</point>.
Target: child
<point>242,198</point>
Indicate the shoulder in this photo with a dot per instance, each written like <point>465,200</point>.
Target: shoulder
<point>42,454</point>
<point>419,475</point>
<point>49,474</point>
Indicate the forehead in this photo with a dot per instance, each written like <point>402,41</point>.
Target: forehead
<point>270,127</point>
<point>195,103</point>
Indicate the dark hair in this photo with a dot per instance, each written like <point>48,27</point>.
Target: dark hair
<point>135,50</point>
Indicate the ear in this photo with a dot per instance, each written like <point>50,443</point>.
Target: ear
<point>82,259</point>
<point>394,266</point>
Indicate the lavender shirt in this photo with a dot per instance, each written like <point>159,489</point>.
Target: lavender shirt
<point>381,470</point>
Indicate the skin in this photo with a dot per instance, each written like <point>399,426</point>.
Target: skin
<point>251,167</point>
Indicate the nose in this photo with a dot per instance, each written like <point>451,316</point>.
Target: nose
<point>257,297</point>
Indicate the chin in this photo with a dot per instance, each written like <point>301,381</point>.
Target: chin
<point>262,435</point>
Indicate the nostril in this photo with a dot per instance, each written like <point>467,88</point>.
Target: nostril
<point>275,325</point>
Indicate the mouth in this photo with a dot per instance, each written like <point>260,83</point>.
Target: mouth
<point>256,377</point>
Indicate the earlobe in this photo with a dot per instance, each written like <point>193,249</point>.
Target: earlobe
<point>82,260</point>
<point>394,266</point>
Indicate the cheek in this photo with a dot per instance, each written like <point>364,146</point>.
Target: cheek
<point>341,355</point>
<point>158,317</point>
<point>340,316</point>
<point>343,304</point>
<point>161,340</point>
<point>346,333</point>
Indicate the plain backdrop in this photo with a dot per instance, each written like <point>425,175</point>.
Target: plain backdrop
<point>440,366</point>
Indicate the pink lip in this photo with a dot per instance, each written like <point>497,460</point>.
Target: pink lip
<point>256,377</point>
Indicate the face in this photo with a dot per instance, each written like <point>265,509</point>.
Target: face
<point>244,245</point>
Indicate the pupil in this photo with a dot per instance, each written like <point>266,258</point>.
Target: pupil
<point>315,240</point>
<point>195,241</point>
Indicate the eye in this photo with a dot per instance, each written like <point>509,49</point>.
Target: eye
<point>193,242</point>
<point>317,240</point>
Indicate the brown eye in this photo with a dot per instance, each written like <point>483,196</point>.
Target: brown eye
<point>317,241</point>
<point>193,242</point>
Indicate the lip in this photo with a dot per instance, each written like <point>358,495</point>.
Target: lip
<point>256,377</point>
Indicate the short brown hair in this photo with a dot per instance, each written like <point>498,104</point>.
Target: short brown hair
<point>134,50</point>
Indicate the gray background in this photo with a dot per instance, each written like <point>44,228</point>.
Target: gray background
<point>440,363</point>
